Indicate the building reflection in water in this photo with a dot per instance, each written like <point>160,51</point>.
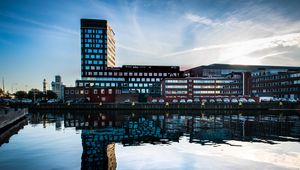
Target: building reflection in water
<point>101,131</point>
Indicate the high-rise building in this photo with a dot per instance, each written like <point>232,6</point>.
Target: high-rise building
<point>58,87</point>
<point>97,47</point>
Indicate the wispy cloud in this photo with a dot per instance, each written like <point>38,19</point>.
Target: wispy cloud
<point>250,45</point>
<point>201,20</point>
<point>40,24</point>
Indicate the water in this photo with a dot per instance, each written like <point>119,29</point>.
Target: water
<point>154,140</point>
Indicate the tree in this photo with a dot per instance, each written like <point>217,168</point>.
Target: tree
<point>21,95</point>
<point>35,94</point>
<point>51,95</point>
<point>1,93</point>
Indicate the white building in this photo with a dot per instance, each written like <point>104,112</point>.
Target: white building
<point>58,87</point>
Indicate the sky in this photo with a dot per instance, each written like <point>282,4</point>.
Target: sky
<point>41,39</point>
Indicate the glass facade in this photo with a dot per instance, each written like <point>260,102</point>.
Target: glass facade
<point>97,47</point>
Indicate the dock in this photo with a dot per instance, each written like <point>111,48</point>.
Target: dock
<point>159,106</point>
<point>9,116</point>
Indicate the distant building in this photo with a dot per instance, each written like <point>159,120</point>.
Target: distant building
<point>217,70</point>
<point>58,87</point>
<point>44,86</point>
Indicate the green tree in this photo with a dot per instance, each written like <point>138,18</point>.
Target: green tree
<point>21,95</point>
<point>35,93</point>
<point>51,95</point>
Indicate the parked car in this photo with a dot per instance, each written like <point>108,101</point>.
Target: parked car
<point>243,100</point>
<point>203,100</point>
<point>52,101</point>
<point>127,101</point>
<point>292,100</point>
<point>161,101</point>
<point>154,101</point>
<point>189,101</point>
<point>174,101</point>
<point>226,100</point>
<point>182,101</point>
<point>196,100</point>
<point>251,100</point>
<point>234,100</point>
<point>26,101</point>
<point>219,100</point>
<point>212,101</point>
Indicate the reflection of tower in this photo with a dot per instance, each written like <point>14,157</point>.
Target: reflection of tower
<point>111,156</point>
<point>98,151</point>
<point>44,86</point>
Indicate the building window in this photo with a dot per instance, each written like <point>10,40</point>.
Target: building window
<point>95,91</point>
<point>109,91</point>
<point>102,91</point>
<point>67,91</point>
<point>72,91</point>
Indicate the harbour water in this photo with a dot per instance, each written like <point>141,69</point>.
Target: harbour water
<point>154,140</point>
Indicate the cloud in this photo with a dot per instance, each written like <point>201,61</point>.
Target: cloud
<point>201,20</point>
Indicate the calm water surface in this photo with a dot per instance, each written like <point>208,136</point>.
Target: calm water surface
<point>149,140</point>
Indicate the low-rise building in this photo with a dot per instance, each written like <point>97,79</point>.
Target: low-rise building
<point>279,85</point>
<point>91,94</point>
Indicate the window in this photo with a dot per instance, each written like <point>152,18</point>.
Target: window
<point>176,86</point>
<point>95,91</point>
<point>109,91</point>
<point>72,91</point>
<point>102,91</point>
<point>86,92</point>
<point>67,91</point>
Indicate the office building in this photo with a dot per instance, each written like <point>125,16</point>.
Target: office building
<point>97,47</point>
<point>234,84</point>
<point>58,87</point>
<point>280,85</point>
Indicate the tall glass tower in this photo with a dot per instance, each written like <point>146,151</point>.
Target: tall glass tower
<point>97,47</point>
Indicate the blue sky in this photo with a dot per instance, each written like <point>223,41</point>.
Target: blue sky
<point>39,39</point>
